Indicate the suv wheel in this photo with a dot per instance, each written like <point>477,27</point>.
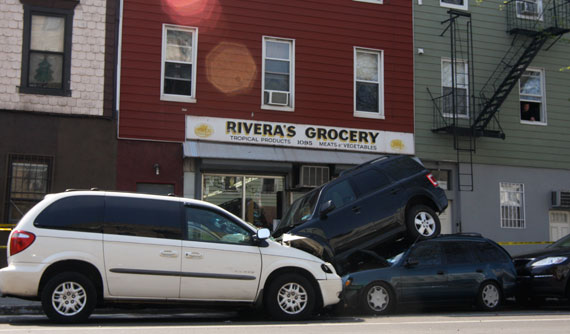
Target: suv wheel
<point>378,299</point>
<point>290,297</point>
<point>489,296</point>
<point>422,222</point>
<point>68,297</point>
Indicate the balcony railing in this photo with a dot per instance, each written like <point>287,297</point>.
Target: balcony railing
<point>535,16</point>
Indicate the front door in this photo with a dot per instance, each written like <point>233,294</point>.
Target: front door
<point>425,280</point>
<point>219,259</point>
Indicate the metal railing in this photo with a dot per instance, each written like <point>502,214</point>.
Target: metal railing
<point>534,16</point>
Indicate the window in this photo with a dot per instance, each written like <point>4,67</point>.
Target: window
<point>402,168</point>
<point>209,226</point>
<point>529,9</point>
<point>29,180</point>
<point>531,95</point>
<point>278,76</point>
<point>76,213</point>
<point>457,4</point>
<point>461,101</point>
<point>368,83</point>
<point>488,253</point>
<point>370,180</point>
<point>341,194</point>
<point>456,253</point>
<point>427,254</point>
<point>142,217</point>
<point>178,76</point>
<point>512,205</point>
<point>46,50</point>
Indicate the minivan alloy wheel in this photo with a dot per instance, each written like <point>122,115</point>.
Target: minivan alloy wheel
<point>292,298</point>
<point>69,298</point>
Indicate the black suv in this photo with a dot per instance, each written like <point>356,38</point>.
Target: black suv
<point>365,207</point>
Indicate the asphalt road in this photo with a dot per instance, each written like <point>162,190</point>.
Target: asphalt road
<point>543,320</point>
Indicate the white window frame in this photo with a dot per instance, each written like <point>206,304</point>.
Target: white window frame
<point>172,97</point>
<point>465,86</point>
<point>454,6</point>
<point>291,43</point>
<point>543,120</point>
<point>511,220</point>
<point>380,82</point>
<point>378,2</point>
<point>538,14</point>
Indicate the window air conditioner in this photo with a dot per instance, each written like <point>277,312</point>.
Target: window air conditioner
<point>561,199</point>
<point>313,176</point>
<point>528,8</point>
<point>279,98</point>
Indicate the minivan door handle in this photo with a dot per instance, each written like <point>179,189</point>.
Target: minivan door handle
<point>356,209</point>
<point>441,272</point>
<point>479,270</point>
<point>193,255</point>
<point>168,253</point>
<point>394,191</point>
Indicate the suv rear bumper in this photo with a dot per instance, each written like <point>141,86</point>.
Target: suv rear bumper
<point>22,280</point>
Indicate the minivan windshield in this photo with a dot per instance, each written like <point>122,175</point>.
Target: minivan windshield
<point>299,212</point>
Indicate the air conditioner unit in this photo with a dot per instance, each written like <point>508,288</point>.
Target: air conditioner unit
<point>527,8</point>
<point>278,98</point>
<point>313,176</point>
<point>561,199</point>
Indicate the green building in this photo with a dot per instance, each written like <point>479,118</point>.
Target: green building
<point>492,114</point>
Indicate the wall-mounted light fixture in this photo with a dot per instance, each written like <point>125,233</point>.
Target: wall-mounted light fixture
<point>156,168</point>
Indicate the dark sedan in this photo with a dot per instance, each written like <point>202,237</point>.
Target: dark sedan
<point>545,273</point>
<point>452,269</point>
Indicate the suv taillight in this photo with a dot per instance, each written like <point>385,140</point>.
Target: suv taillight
<point>432,179</point>
<point>20,240</point>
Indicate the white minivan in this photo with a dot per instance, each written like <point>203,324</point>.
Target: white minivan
<point>78,250</point>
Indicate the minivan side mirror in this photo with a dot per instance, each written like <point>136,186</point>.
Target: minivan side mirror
<point>263,234</point>
<point>326,208</point>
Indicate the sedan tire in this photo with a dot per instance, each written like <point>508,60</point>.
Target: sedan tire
<point>378,298</point>
<point>489,296</point>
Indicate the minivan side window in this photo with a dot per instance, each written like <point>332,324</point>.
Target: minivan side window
<point>143,217</point>
<point>76,213</point>
<point>341,194</point>
<point>402,168</point>
<point>209,226</point>
<point>370,180</point>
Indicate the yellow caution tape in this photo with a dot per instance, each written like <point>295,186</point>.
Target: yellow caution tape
<point>5,229</point>
<point>510,243</point>
<point>3,247</point>
<point>7,225</point>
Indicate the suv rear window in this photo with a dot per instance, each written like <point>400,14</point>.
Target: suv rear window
<point>402,168</point>
<point>76,213</point>
<point>143,217</point>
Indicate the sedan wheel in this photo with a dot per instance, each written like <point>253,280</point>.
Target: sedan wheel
<point>378,298</point>
<point>489,296</point>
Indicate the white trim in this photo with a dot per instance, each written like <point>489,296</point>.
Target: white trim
<point>512,220</point>
<point>380,56</point>
<point>450,5</point>
<point>539,14</point>
<point>172,97</point>
<point>466,86</point>
<point>291,43</point>
<point>378,2</point>
<point>543,119</point>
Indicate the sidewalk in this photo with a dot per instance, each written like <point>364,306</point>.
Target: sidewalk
<point>11,306</point>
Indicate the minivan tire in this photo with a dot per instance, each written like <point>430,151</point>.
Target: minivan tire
<point>290,297</point>
<point>422,222</point>
<point>68,297</point>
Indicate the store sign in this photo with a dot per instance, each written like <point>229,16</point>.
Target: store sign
<point>297,135</point>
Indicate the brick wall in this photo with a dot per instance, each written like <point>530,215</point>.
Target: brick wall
<point>87,62</point>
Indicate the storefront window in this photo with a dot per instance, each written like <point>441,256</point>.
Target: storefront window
<point>256,203</point>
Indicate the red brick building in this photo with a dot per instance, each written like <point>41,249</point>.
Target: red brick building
<point>248,104</point>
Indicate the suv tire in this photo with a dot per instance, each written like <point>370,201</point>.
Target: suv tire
<point>290,297</point>
<point>422,222</point>
<point>68,297</point>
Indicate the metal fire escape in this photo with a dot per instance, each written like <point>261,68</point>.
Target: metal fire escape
<point>532,23</point>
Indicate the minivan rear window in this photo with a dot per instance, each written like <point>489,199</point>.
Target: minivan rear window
<point>143,217</point>
<point>76,213</point>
